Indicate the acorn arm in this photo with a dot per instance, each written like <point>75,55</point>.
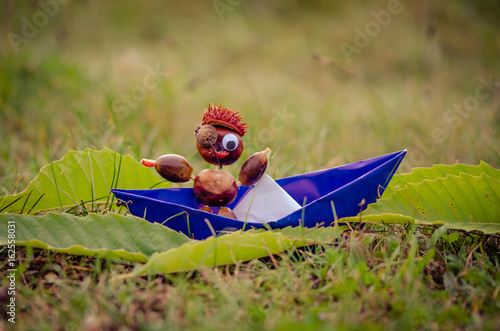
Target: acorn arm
<point>254,168</point>
<point>172,167</point>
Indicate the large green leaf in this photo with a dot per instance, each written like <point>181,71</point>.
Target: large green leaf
<point>316,235</point>
<point>80,176</point>
<point>164,250</point>
<point>214,251</point>
<point>109,236</point>
<point>465,201</point>
<point>235,247</point>
<point>438,171</point>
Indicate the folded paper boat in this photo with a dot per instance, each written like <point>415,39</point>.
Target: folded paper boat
<point>324,196</point>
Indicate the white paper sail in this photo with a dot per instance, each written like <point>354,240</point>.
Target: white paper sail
<point>265,202</point>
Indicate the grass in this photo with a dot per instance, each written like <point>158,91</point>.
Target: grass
<point>380,278</point>
<point>72,86</point>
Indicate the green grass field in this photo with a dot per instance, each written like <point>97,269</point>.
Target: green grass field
<point>322,84</point>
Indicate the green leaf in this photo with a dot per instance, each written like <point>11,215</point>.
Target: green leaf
<point>86,176</point>
<point>315,235</point>
<point>214,251</point>
<point>134,239</point>
<point>109,236</point>
<point>465,201</point>
<point>235,247</point>
<point>438,171</point>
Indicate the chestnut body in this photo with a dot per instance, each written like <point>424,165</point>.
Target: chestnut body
<point>215,188</point>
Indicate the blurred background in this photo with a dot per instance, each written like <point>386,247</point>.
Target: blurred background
<point>322,83</point>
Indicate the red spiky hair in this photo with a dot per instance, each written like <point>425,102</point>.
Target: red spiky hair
<point>225,117</point>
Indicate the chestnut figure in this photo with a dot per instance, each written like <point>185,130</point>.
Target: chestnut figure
<point>219,142</point>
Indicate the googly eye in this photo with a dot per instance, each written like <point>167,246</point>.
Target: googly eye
<point>230,142</point>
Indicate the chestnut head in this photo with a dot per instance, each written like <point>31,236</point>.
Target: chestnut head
<point>218,145</point>
<point>218,138</point>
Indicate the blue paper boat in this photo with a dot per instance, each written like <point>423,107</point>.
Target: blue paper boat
<point>347,186</point>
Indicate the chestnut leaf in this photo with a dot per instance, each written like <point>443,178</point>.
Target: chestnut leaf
<point>81,178</point>
<point>462,197</point>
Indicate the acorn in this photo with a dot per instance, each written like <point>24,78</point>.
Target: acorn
<point>253,168</point>
<point>206,135</point>
<point>226,212</point>
<point>172,167</point>
<point>215,188</point>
